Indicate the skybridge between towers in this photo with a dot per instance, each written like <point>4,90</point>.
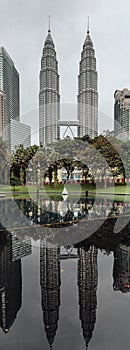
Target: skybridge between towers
<point>68,124</point>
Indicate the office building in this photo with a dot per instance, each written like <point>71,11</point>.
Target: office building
<point>49,98</point>
<point>20,134</point>
<point>87,99</point>
<point>9,86</point>
<point>122,114</point>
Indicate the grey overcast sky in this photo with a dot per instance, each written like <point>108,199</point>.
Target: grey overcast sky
<point>23,29</point>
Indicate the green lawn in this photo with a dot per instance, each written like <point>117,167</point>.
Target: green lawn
<point>32,191</point>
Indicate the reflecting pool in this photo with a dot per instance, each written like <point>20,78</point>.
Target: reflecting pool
<point>71,296</point>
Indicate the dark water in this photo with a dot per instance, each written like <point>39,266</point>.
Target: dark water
<point>74,297</point>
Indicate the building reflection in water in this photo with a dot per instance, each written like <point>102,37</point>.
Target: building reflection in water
<point>87,284</point>
<point>121,269</point>
<point>50,287</point>
<point>46,211</point>
<point>13,249</point>
<point>11,253</point>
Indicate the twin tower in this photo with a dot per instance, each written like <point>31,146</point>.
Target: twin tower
<point>49,95</point>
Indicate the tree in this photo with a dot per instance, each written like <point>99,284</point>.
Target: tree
<point>110,149</point>
<point>19,162</point>
<point>125,156</point>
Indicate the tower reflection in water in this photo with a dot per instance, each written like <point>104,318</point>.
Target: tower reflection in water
<point>11,252</point>
<point>13,249</point>
<point>50,287</point>
<point>121,269</point>
<point>87,285</point>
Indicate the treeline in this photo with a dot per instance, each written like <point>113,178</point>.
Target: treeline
<point>99,158</point>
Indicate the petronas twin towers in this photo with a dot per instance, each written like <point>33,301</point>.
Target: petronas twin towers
<point>49,96</point>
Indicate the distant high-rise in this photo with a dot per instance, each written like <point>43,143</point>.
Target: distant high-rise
<point>87,91</point>
<point>9,85</point>
<point>49,98</point>
<point>20,135</point>
<point>122,114</point>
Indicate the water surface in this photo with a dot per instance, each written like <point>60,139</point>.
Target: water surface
<point>74,297</point>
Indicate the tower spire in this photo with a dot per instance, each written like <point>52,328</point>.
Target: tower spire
<point>88,26</point>
<point>49,26</point>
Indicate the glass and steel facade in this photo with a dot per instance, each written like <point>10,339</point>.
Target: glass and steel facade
<point>87,98</point>
<point>122,114</point>
<point>49,98</point>
<point>20,134</point>
<point>2,115</point>
<point>9,85</point>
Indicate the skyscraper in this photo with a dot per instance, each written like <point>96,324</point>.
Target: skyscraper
<point>9,85</point>
<point>87,98</point>
<point>49,98</point>
<point>122,114</point>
